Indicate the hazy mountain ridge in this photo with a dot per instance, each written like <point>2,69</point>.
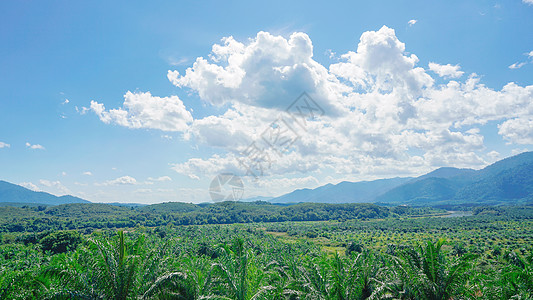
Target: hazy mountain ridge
<point>509,180</point>
<point>343,192</point>
<point>17,194</point>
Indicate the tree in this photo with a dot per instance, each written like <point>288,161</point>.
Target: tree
<point>60,241</point>
<point>426,274</point>
<point>117,271</point>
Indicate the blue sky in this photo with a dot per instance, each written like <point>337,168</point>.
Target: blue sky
<point>88,106</point>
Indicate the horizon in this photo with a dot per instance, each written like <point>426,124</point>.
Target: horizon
<point>249,199</point>
<point>150,104</point>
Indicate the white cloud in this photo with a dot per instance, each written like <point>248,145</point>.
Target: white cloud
<point>387,106</point>
<point>88,173</point>
<point>65,102</point>
<point>381,107</point>
<point>517,131</point>
<point>124,180</point>
<point>267,72</point>
<point>530,2</point>
<point>82,110</point>
<point>4,145</point>
<point>381,65</point>
<point>161,179</point>
<point>142,110</point>
<point>517,65</point>
<point>530,54</point>
<point>196,167</point>
<point>518,151</point>
<point>308,181</point>
<point>56,187</point>
<point>36,146</point>
<point>494,155</point>
<point>446,71</point>
<point>412,22</point>
<point>30,186</point>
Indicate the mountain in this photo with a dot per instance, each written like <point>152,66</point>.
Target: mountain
<point>508,181</point>
<point>17,194</point>
<point>343,192</point>
<point>447,172</point>
<point>508,185</point>
<point>256,198</point>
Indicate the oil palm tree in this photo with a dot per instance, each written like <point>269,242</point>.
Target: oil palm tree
<point>237,276</point>
<point>425,273</point>
<point>517,278</point>
<point>117,271</point>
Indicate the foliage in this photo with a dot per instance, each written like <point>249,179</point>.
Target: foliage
<point>485,256</point>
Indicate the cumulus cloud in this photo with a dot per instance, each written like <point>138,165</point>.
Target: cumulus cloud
<point>380,107</point>
<point>387,106</point>
<point>517,131</point>
<point>161,179</point>
<point>30,186</point>
<point>124,180</point>
<point>4,145</point>
<point>196,167</point>
<point>142,110</point>
<point>412,22</point>
<point>494,155</point>
<point>56,187</point>
<point>268,71</point>
<point>34,147</point>
<point>530,2</point>
<point>446,71</point>
<point>88,173</point>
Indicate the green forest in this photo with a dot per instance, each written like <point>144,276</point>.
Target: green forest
<point>262,251</point>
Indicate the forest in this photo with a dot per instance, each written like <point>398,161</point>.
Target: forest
<point>90,216</point>
<point>374,252</point>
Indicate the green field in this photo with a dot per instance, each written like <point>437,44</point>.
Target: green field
<point>397,256</point>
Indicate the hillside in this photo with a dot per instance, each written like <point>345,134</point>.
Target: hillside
<point>343,192</point>
<point>508,181</point>
<point>17,194</point>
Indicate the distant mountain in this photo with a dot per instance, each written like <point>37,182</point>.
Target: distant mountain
<point>447,172</point>
<point>169,207</point>
<point>420,191</point>
<point>17,194</point>
<point>343,192</point>
<point>508,185</point>
<point>508,181</point>
<point>257,198</point>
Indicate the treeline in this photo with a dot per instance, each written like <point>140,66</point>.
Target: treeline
<point>98,216</point>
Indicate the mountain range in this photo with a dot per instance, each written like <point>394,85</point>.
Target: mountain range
<point>508,181</point>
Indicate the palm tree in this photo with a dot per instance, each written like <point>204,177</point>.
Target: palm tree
<point>339,278</point>
<point>426,274</point>
<point>117,271</point>
<point>237,274</point>
<point>517,277</point>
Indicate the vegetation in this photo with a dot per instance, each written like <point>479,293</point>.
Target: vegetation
<point>484,256</point>
<point>90,216</point>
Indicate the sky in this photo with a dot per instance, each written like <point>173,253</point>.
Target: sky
<point>148,101</point>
